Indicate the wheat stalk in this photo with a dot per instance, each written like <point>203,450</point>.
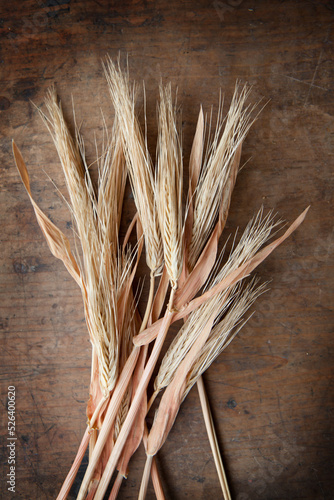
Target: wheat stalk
<point>138,162</point>
<point>174,393</point>
<point>78,182</point>
<point>142,181</point>
<point>239,300</point>
<point>216,169</point>
<point>97,222</point>
<point>129,329</point>
<point>169,203</point>
<point>256,233</point>
<point>184,340</point>
<point>100,273</point>
<point>172,251</point>
<point>221,334</point>
<point>169,185</point>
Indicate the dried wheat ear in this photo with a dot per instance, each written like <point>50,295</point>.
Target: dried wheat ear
<point>210,292</point>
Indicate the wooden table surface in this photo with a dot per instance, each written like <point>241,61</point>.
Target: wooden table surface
<point>271,392</point>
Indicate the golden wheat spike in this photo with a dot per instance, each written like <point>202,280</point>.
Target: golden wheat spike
<point>169,185</point>
<point>225,329</point>
<point>216,170</point>
<point>138,162</point>
<point>257,231</point>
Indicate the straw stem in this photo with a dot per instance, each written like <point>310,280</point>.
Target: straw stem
<point>116,400</point>
<point>210,428</point>
<point>112,411</point>
<point>156,481</point>
<point>154,473</point>
<point>159,493</point>
<point>149,303</point>
<point>67,484</point>
<point>145,477</point>
<point>117,450</point>
<point>116,487</point>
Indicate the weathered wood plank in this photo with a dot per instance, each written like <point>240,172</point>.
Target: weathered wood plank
<point>271,391</point>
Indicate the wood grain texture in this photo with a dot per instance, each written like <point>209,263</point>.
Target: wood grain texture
<point>271,392</point>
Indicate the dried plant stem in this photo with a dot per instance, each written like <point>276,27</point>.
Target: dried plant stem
<point>145,477</point>
<point>159,493</point>
<point>112,411</point>
<point>150,466</point>
<point>65,489</point>
<point>154,472</point>
<point>118,481</point>
<point>97,411</point>
<point>115,401</point>
<point>152,399</point>
<point>209,424</point>
<point>125,430</point>
<point>116,486</point>
<point>92,441</point>
<point>210,428</point>
<point>92,488</point>
<point>149,303</point>
<point>98,471</point>
<point>155,480</point>
<point>67,484</point>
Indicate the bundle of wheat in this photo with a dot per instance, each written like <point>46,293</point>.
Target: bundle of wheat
<point>181,248</point>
